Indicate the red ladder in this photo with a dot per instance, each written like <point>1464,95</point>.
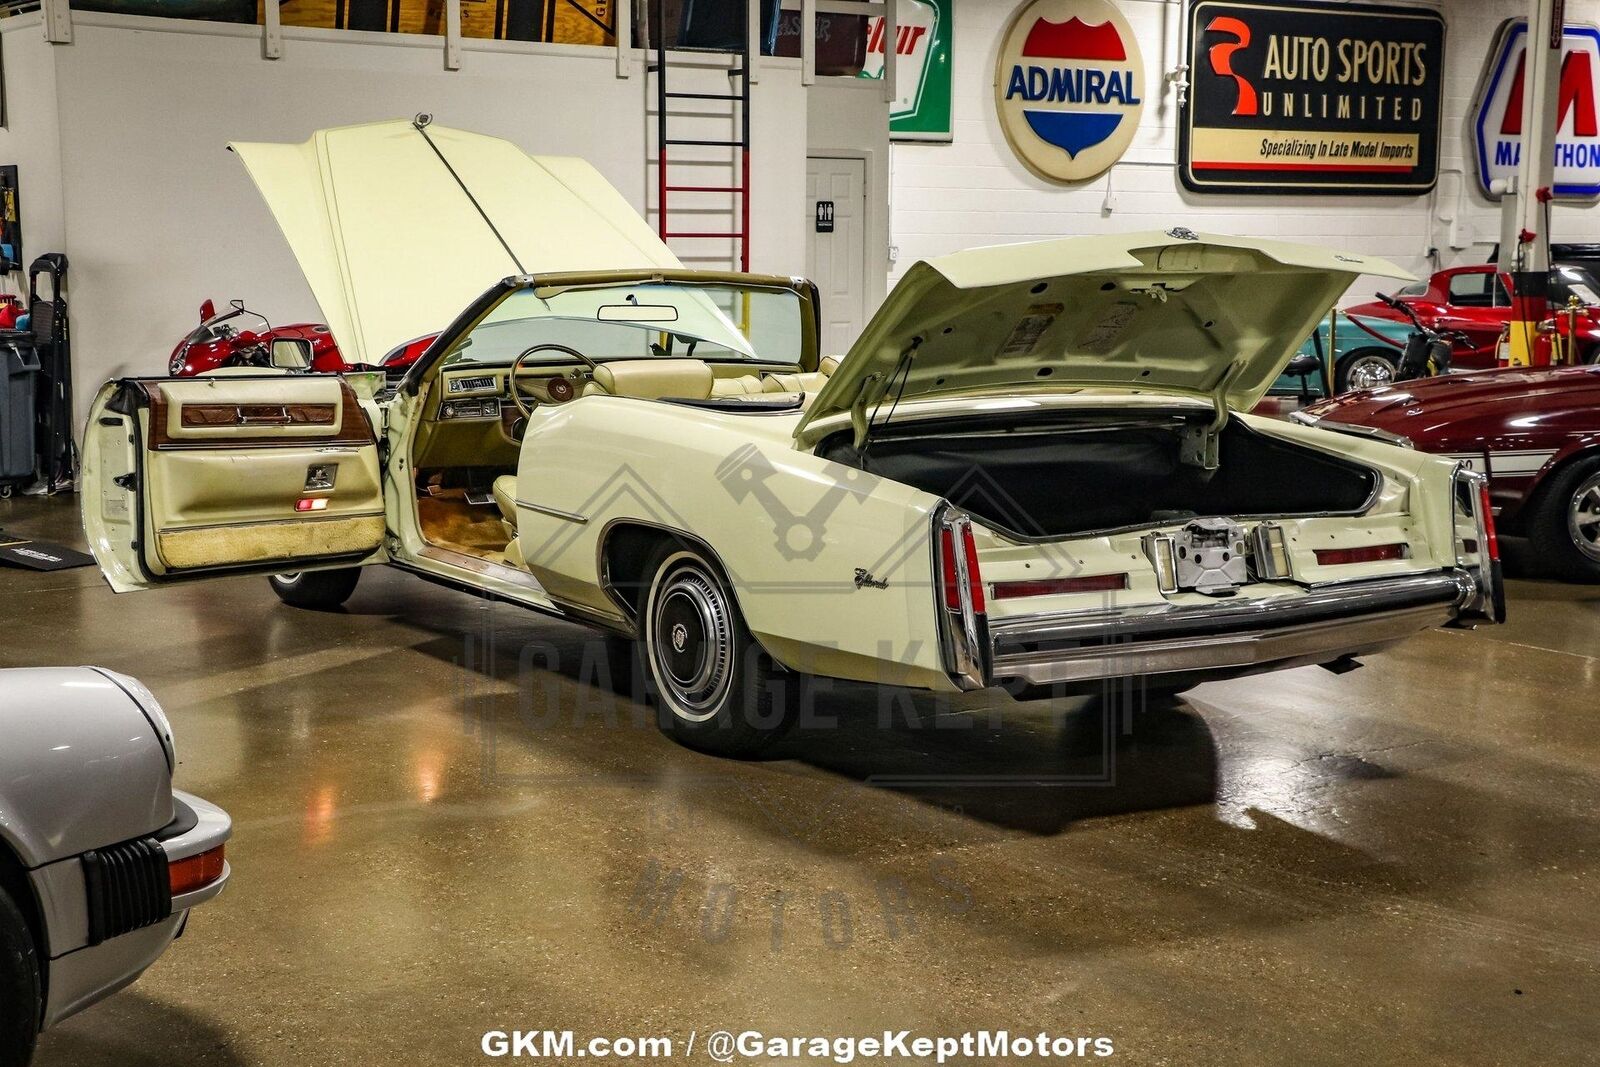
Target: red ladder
<point>739,184</point>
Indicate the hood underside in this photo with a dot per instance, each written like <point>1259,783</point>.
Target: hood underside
<point>392,244</point>
<point>1171,313</point>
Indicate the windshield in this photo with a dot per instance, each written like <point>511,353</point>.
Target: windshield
<point>644,320</point>
<point>1567,281</point>
<point>228,324</point>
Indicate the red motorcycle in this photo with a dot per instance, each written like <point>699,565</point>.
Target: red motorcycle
<point>239,337</point>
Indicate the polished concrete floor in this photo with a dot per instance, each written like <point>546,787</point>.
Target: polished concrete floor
<point>1396,865</point>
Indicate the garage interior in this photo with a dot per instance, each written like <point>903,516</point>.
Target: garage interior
<point>1400,859</point>
<point>453,816</point>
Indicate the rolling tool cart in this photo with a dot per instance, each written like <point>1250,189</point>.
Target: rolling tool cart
<point>57,450</point>
<point>19,373</point>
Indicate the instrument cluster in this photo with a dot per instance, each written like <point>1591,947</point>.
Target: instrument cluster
<point>486,397</point>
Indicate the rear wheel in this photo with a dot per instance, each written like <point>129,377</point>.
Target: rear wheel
<point>318,590</point>
<point>1366,368</point>
<point>715,688</point>
<point>20,1006</point>
<point>1565,529</point>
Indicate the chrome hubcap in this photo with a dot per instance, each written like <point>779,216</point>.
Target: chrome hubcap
<point>691,644</point>
<point>1370,372</point>
<point>1583,518</point>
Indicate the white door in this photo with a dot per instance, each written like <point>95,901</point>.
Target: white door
<point>836,198</point>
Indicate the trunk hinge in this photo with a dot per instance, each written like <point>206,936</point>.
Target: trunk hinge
<point>858,410</point>
<point>870,394</point>
<point>1201,445</point>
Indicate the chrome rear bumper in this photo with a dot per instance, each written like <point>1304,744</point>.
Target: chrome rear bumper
<point>1226,638</point>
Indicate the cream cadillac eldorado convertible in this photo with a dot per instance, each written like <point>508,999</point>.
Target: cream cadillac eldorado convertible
<point>1032,470</point>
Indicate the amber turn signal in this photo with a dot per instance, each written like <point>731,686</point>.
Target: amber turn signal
<point>195,872</point>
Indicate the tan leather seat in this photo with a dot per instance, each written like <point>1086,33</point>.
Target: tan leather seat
<point>652,379</point>
<point>505,498</point>
<point>744,385</point>
<point>807,382</point>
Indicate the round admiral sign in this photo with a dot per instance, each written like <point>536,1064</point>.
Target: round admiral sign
<point>1069,87</point>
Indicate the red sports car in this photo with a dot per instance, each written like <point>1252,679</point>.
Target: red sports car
<point>238,337</point>
<point>1474,304</point>
<point>1534,431</point>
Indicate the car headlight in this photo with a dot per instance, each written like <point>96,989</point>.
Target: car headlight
<point>152,711</point>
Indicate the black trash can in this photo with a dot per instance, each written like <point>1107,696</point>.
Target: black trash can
<point>19,376</point>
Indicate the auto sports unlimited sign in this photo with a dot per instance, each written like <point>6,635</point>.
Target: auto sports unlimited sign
<point>921,108</point>
<point>1497,115</point>
<point>1297,96</point>
<point>1069,87</point>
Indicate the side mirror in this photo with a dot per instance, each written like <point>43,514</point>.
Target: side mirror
<point>208,310</point>
<point>291,355</point>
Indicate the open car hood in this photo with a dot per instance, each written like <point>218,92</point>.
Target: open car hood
<point>393,248</point>
<point>1177,313</point>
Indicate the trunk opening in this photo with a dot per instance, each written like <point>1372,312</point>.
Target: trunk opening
<point>1068,477</point>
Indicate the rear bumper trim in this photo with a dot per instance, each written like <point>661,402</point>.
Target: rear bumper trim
<point>1227,638</point>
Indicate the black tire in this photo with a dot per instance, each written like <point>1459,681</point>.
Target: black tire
<point>1563,540</point>
<point>1361,368</point>
<point>20,1004</point>
<point>318,590</point>
<point>714,688</point>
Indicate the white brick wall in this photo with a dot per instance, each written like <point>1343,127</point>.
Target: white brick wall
<point>975,192</point>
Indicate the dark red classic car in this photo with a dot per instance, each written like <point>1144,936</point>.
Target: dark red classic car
<point>1474,304</point>
<point>238,337</point>
<point>1534,431</point>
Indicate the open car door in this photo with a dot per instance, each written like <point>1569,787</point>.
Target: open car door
<point>198,477</point>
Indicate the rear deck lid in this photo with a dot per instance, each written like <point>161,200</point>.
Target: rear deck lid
<point>1174,313</point>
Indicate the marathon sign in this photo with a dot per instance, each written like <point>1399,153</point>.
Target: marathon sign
<point>1302,96</point>
<point>1497,116</point>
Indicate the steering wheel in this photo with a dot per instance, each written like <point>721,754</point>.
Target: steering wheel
<point>523,403</point>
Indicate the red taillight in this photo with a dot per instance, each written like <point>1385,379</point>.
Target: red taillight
<point>1328,557</point>
<point>947,563</point>
<point>1097,583</point>
<point>1488,522</point>
<point>195,872</point>
<point>974,579</point>
<point>950,568</point>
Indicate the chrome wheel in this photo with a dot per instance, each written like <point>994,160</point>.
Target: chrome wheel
<point>690,640</point>
<point>1583,518</point>
<point>1369,372</point>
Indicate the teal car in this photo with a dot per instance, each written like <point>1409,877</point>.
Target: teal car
<point>1366,353</point>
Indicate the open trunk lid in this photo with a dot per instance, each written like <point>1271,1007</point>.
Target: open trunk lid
<point>1173,313</point>
<point>393,247</point>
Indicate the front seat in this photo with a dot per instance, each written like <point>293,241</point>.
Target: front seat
<point>652,379</point>
<point>505,498</point>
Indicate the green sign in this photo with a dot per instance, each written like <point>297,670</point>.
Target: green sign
<point>921,108</point>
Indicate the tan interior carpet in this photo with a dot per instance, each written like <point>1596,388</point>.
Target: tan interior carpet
<point>450,522</point>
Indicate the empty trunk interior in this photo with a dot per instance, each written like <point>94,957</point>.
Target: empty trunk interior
<point>1071,479</point>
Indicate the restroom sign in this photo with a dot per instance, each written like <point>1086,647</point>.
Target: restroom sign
<point>1069,87</point>
<point>824,216</point>
<point>1497,115</point>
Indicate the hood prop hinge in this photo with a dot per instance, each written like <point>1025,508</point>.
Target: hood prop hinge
<point>1201,446</point>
